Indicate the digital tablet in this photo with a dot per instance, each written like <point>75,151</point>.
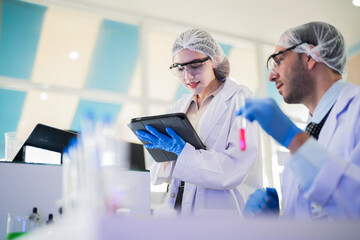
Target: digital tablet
<point>178,122</point>
<point>48,138</point>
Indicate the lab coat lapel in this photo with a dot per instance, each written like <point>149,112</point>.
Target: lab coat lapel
<point>216,110</point>
<point>345,97</point>
<point>184,107</point>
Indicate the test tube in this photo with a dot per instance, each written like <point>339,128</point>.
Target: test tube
<point>241,122</point>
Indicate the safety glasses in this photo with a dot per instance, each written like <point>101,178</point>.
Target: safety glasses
<point>274,61</point>
<point>194,67</point>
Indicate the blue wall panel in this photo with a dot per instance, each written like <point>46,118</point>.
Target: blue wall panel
<point>181,91</point>
<point>21,25</point>
<point>98,110</point>
<point>11,105</point>
<point>113,63</point>
<point>272,90</point>
<point>353,50</point>
<point>115,57</point>
<point>226,48</point>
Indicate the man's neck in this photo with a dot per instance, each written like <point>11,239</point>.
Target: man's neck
<point>323,83</point>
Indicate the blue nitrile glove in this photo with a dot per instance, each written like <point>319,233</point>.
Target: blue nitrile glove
<point>174,143</point>
<point>271,119</point>
<point>262,202</point>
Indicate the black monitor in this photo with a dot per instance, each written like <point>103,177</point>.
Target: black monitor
<point>137,157</point>
<point>53,139</point>
<point>48,138</point>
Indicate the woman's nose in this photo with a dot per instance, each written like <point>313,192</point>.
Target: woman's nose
<point>187,75</point>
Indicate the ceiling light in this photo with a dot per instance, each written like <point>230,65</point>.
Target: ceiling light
<point>73,55</point>
<point>356,3</point>
<point>43,96</point>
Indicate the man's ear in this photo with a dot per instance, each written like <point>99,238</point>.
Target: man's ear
<point>310,62</point>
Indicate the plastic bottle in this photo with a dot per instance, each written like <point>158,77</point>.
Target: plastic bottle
<point>50,219</point>
<point>35,218</point>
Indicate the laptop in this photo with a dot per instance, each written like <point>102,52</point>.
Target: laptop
<point>48,138</point>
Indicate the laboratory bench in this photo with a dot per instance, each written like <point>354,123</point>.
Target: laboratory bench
<point>210,228</point>
<point>23,187</point>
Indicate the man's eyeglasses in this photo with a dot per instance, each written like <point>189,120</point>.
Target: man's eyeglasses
<point>272,63</point>
<point>193,67</point>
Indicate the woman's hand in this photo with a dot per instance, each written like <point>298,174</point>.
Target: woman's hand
<point>171,143</point>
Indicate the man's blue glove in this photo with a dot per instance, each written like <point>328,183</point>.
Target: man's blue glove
<point>271,119</point>
<point>262,202</point>
<point>157,140</point>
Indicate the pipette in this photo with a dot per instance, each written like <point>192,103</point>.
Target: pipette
<point>241,122</point>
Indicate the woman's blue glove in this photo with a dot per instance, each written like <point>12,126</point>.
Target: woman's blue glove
<point>157,140</point>
<point>262,202</point>
<point>271,119</point>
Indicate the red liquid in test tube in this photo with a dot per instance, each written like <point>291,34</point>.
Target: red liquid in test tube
<point>242,141</point>
<point>241,123</point>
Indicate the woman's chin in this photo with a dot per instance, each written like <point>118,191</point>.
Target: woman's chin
<point>194,91</point>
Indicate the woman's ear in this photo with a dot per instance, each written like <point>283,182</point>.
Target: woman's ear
<point>215,61</point>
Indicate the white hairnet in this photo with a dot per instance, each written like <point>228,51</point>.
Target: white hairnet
<point>201,41</point>
<point>323,42</point>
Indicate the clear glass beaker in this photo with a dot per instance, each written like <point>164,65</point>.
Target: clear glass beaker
<point>13,143</point>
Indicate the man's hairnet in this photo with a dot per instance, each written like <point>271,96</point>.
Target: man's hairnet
<point>201,41</point>
<point>324,43</point>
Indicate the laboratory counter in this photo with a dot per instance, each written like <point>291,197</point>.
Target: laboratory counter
<point>145,227</point>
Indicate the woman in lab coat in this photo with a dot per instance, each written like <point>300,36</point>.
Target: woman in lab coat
<point>220,178</point>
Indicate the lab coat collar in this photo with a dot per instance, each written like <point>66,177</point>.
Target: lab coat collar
<point>230,87</point>
<point>194,97</point>
<point>345,97</point>
<point>187,101</point>
<point>216,109</point>
<point>327,101</point>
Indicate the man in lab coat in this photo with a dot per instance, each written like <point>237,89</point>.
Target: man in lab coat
<point>321,179</point>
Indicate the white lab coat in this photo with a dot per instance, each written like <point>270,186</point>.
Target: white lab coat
<point>220,178</point>
<point>336,188</point>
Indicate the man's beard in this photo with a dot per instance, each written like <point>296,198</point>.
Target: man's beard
<point>300,85</point>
